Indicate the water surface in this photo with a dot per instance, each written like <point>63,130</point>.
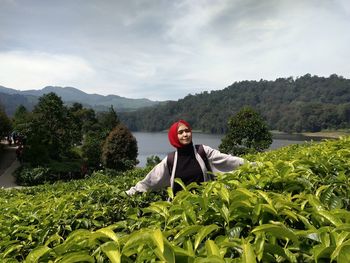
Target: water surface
<point>156,143</point>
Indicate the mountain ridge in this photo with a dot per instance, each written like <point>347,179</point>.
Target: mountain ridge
<point>70,95</point>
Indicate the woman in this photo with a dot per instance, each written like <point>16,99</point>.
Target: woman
<point>189,166</point>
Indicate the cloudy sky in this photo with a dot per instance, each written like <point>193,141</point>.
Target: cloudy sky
<point>167,49</point>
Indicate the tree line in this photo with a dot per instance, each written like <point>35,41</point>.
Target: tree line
<point>64,142</point>
<point>305,104</point>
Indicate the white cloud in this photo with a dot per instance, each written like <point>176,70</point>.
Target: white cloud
<point>168,49</point>
<point>35,70</point>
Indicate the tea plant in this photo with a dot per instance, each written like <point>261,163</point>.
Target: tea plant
<point>291,206</point>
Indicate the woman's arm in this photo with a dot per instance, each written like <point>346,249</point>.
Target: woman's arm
<point>221,162</point>
<point>156,179</point>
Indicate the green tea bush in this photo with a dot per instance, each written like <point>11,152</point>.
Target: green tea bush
<point>292,206</point>
<point>52,172</point>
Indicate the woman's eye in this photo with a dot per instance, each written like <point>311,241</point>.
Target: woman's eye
<point>182,131</point>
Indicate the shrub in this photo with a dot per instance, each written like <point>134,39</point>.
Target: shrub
<point>119,151</point>
<point>54,171</point>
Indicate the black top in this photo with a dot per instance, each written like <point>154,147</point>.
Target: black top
<point>187,167</point>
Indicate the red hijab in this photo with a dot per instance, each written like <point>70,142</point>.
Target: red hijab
<point>172,133</point>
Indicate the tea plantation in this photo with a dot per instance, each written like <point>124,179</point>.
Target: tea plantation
<point>292,206</point>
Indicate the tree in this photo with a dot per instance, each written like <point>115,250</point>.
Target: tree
<point>51,132</point>
<point>92,149</point>
<point>108,120</point>
<point>5,123</point>
<point>247,133</point>
<point>21,119</point>
<point>120,149</point>
<point>153,161</point>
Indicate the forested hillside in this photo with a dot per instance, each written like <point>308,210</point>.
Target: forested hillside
<point>307,103</point>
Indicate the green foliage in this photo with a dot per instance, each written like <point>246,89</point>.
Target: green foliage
<point>92,149</point>
<point>53,130</point>
<point>52,127</point>
<point>5,122</point>
<point>120,149</point>
<point>153,160</point>
<point>247,133</point>
<point>108,120</point>
<point>21,120</point>
<point>292,206</point>
<point>53,171</point>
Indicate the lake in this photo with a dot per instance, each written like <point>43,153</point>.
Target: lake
<point>156,143</point>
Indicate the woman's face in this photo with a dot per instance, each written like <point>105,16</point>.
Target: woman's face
<point>184,134</point>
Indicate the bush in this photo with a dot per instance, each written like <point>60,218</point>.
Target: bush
<point>119,151</point>
<point>28,176</point>
<point>54,171</point>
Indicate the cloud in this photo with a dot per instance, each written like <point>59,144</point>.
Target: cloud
<point>167,49</point>
<point>35,70</point>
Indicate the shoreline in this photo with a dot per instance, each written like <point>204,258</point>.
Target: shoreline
<point>326,134</point>
<point>321,134</point>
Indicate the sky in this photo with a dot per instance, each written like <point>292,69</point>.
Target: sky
<point>167,49</point>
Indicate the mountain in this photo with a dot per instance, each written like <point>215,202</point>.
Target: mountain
<point>10,101</point>
<point>69,95</point>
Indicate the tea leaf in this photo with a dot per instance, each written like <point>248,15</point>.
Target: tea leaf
<point>248,255</point>
<point>203,232</point>
<point>36,254</point>
<point>111,249</point>
<point>212,248</point>
<point>277,231</point>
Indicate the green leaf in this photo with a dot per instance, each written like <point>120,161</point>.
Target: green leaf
<point>344,255</point>
<point>111,249</point>
<point>137,239</point>
<point>275,250</point>
<point>339,249</point>
<point>225,213</point>
<point>259,244</point>
<point>212,248</point>
<point>290,256</point>
<point>265,196</point>
<point>224,194</point>
<point>179,181</point>
<point>160,208</point>
<point>203,232</point>
<point>188,230</point>
<point>209,259</point>
<point>168,254</point>
<point>321,251</point>
<point>37,253</point>
<point>277,231</point>
<point>178,251</point>
<point>52,238</point>
<point>331,218</point>
<point>268,208</point>
<point>77,257</point>
<point>248,255</point>
<point>10,249</point>
<point>106,232</point>
<point>158,239</point>
<point>170,193</point>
